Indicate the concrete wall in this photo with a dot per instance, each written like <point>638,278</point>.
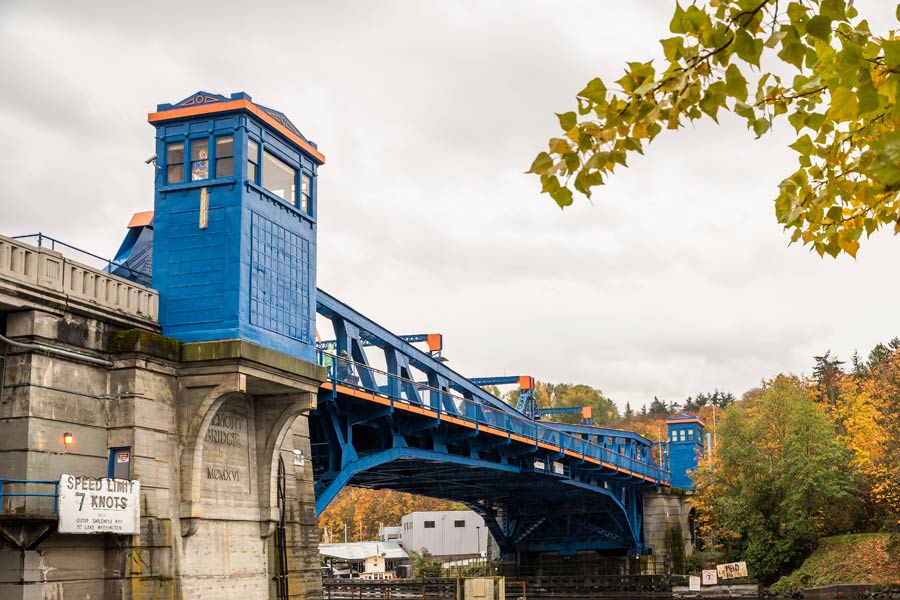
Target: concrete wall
<point>664,510</point>
<point>206,424</point>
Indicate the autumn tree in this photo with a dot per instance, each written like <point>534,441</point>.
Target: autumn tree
<point>568,395</point>
<point>868,415</point>
<point>837,87</point>
<point>361,511</point>
<point>780,479</point>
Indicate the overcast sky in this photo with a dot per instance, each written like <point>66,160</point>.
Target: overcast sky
<point>676,280</point>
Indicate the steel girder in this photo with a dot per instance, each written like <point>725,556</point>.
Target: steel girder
<point>540,486</point>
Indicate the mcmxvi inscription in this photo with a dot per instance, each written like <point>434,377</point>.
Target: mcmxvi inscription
<point>226,458</point>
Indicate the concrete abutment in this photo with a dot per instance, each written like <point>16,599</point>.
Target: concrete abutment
<point>203,424</point>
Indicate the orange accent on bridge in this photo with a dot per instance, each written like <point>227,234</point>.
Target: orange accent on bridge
<point>141,219</point>
<point>411,408</point>
<point>435,342</point>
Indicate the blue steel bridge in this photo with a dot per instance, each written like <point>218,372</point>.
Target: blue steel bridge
<point>420,427</point>
<point>233,243</point>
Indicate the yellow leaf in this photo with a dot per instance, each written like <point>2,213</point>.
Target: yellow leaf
<point>844,105</point>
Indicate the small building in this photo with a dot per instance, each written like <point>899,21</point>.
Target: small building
<point>389,534</point>
<point>367,560</point>
<point>449,533</point>
<point>685,448</point>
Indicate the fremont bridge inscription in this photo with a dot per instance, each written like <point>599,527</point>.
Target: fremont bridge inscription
<point>226,449</point>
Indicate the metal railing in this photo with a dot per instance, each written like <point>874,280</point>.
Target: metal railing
<point>106,264</point>
<point>5,493</point>
<point>47,269</point>
<point>394,388</point>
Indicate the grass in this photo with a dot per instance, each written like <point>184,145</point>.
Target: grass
<point>857,558</point>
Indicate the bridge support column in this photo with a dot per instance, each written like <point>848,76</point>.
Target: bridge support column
<point>203,426</point>
<point>666,510</point>
<point>240,409</point>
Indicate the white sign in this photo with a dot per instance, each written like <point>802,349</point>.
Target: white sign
<point>709,577</point>
<point>732,570</point>
<point>92,505</point>
<point>694,583</point>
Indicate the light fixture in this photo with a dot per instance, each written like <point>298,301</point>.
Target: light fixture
<point>68,438</point>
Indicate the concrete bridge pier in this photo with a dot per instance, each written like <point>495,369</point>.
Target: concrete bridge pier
<point>201,425</point>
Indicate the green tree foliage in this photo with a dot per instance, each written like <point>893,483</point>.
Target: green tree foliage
<point>562,395</point>
<point>717,398</point>
<point>781,479</point>
<point>827,373</point>
<point>839,94</point>
<point>424,565</point>
<point>658,407</point>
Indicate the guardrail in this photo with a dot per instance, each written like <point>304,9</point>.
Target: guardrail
<point>45,267</point>
<point>5,494</point>
<point>394,388</point>
<point>410,589</point>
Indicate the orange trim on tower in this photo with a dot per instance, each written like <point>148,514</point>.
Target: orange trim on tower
<point>232,105</point>
<point>526,382</point>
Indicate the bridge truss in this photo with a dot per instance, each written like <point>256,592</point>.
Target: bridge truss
<point>418,426</point>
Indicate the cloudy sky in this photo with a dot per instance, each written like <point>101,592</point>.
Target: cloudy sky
<point>676,280</point>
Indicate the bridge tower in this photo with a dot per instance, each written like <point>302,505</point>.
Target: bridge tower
<point>685,448</point>
<point>234,251</point>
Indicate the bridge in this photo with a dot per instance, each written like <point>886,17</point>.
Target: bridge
<point>418,426</point>
<point>189,363</point>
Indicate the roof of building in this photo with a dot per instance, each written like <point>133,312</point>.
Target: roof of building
<point>205,103</point>
<point>363,550</point>
<point>684,418</point>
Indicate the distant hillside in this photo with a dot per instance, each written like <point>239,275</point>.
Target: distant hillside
<point>859,558</point>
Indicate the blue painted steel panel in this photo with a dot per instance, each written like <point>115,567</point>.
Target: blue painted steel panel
<point>231,259</point>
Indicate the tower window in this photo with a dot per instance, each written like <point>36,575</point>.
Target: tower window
<point>429,524</point>
<point>175,163</point>
<point>279,178</point>
<point>690,435</point>
<point>199,160</point>
<point>224,156</point>
<point>305,191</point>
<point>252,160</point>
<point>459,523</point>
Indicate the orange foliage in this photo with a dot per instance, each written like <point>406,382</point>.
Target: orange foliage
<point>361,511</point>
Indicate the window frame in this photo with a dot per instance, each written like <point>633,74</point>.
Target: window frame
<point>278,157</point>
<point>217,158</point>
<point>305,201</point>
<point>169,165</point>
<point>255,162</point>
<point>192,141</point>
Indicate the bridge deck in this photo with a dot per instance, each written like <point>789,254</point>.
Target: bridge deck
<point>507,426</point>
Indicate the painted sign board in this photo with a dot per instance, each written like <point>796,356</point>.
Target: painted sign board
<point>694,583</point>
<point>99,505</point>
<point>709,577</point>
<point>732,570</point>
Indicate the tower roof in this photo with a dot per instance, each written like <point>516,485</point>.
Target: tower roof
<point>205,103</point>
<point>684,418</point>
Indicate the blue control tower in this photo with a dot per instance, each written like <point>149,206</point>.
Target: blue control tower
<point>234,247</point>
<point>685,448</point>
